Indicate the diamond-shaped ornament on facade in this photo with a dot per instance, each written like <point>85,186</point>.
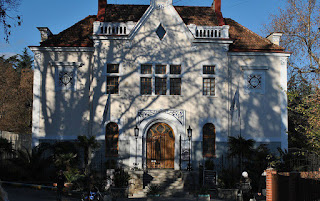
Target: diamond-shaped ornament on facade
<point>161,32</point>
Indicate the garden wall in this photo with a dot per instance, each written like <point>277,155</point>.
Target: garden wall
<point>292,186</point>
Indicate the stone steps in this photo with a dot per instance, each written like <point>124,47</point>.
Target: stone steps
<point>170,181</point>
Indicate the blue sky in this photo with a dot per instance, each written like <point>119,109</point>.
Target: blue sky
<point>58,15</point>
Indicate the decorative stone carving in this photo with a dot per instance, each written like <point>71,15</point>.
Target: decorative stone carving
<point>194,48</point>
<point>283,61</point>
<point>178,114</point>
<point>37,56</point>
<point>254,82</point>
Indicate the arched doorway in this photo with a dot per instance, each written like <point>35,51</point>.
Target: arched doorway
<point>160,147</point>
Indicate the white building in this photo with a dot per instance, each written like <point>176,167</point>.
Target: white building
<point>160,68</point>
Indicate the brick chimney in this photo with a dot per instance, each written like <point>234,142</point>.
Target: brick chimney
<point>102,4</point>
<point>275,37</point>
<point>217,6</point>
<point>45,33</point>
<point>217,9</point>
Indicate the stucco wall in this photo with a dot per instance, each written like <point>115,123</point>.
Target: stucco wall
<point>67,114</point>
<point>60,113</point>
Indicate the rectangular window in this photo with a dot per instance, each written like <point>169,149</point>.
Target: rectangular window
<point>160,79</point>
<point>175,69</point>
<point>208,69</point>
<point>161,69</point>
<point>161,86</point>
<point>112,84</point>
<point>175,86</point>
<point>209,86</point>
<point>112,68</point>
<point>146,86</point>
<point>146,69</point>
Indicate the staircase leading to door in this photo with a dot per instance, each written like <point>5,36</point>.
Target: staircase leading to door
<point>171,182</point>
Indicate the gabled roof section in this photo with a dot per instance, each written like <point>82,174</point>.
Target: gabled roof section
<point>246,40</point>
<point>121,13</point>
<point>77,35</point>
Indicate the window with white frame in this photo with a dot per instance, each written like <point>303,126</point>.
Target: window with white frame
<point>160,79</point>
<point>113,78</point>
<point>209,80</point>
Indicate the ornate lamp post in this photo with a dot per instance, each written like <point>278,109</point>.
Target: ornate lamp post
<point>136,134</point>
<point>189,131</point>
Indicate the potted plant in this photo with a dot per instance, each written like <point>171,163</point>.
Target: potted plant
<point>154,191</point>
<point>71,175</point>
<point>203,194</point>
<point>121,182</point>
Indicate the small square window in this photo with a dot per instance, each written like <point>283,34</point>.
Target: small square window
<point>146,69</point>
<point>112,84</point>
<point>112,68</point>
<point>175,69</point>
<point>209,70</point>
<point>161,69</point>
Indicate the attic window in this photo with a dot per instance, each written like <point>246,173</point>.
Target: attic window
<point>161,32</point>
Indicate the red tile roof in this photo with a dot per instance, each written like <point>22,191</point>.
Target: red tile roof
<point>121,13</point>
<point>79,34</point>
<point>246,40</point>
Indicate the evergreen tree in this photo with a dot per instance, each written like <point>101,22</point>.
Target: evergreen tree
<point>25,60</point>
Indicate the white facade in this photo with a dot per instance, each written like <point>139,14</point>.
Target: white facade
<point>71,99</point>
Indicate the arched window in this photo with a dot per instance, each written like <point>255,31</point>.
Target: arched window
<point>112,135</point>
<point>209,140</point>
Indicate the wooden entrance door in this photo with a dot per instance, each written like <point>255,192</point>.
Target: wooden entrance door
<point>160,147</point>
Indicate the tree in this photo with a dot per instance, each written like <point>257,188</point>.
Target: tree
<point>298,89</point>
<point>25,61</point>
<point>300,23</point>
<point>241,148</point>
<point>7,16</point>
<point>16,96</point>
<point>32,165</point>
<point>310,107</point>
<point>88,144</point>
<point>5,147</point>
